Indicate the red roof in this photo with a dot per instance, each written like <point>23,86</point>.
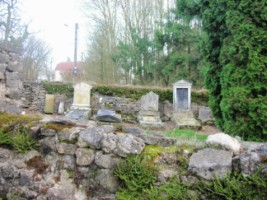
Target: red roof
<point>68,66</point>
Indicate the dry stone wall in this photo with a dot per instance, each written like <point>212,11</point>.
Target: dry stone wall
<point>11,86</point>
<point>78,163</point>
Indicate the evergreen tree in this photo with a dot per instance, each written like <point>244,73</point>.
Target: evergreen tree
<point>237,52</point>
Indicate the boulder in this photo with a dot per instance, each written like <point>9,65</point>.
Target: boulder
<point>224,141</point>
<point>211,163</point>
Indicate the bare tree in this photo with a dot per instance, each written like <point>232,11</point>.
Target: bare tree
<point>10,26</point>
<point>35,57</point>
<point>103,42</point>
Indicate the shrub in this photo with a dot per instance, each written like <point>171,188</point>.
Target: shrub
<point>173,189</point>
<point>135,175</point>
<point>236,187</point>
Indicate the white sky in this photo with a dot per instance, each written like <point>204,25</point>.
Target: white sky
<point>48,18</point>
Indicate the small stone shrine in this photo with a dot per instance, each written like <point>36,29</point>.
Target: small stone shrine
<point>149,114</point>
<point>182,115</point>
<point>81,102</point>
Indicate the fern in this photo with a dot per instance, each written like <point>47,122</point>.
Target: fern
<point>22,142</point>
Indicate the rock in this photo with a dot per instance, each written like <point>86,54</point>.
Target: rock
<point>107,161</point>
<point>133,130</point>
<point>69,134</point>
<point>189,180</point>
<point>48,132</point>
<point>209,163</point>
<point>122,144</point>
<point>91,137</point>
<point>78,114</point>
<point>69,162</point>
<point>224,141</point>
<point>107,180</point>
<point>167,172</point>
<point>6,155</point>
<point>84,156</point>
<point>158,140</point>
<point>251,161</point>
<point>48,144</point>
<point>105,115</point>
<point>65,148</point>
<point>62,190</point>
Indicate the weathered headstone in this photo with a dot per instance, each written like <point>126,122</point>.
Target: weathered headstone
<point>182,114</point>
<point>81,99</point>
<point>49,103</point>
<point>81,102</point>
<point>149,114</point>
<point>105,115</point>
<point>205,114</point>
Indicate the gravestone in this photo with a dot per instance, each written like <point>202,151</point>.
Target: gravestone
<point>105,113</point>
<point>149,114</point>
<point>182,114</point>
<point>182,95</point>
<point>80,108</point>
<point>205,115</point>
<point>49,103</point>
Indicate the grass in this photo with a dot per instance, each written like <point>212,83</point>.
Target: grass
<point>185,134</point>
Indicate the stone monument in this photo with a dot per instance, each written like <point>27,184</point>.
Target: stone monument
<point>149,114</point>
<point>49,104</point>
<point>182,115</point>
<point>105,113</point>
<point>81,101</point>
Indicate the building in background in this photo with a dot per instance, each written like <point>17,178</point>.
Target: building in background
<point>64,71</point>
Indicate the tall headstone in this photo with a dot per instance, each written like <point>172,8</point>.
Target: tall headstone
<point>149,114</point>
<point>81,101</point>
<point>182,115</point>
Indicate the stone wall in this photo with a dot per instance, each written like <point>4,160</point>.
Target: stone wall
<point>34,96</point>
<point>11,86</point>
<point>78,163</point>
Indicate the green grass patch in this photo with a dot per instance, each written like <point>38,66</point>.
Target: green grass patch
<point>185,134</point>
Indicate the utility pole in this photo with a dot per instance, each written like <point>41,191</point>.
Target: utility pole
<point>75,69</point>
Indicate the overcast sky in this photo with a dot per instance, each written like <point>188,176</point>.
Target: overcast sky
<point>54,22</point>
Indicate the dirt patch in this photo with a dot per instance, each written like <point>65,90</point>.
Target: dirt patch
<point>209,130</point>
